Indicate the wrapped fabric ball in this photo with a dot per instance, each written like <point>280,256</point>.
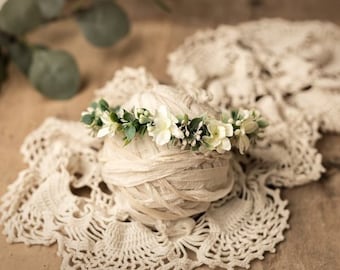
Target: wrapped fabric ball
<point>155,182</point>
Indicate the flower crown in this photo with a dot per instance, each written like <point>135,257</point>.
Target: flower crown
<point>236,128</point>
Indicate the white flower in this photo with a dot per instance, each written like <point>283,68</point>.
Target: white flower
<point>164,126</point>
<point>219,133</point>
<point>109,127</point>
<point>120,113</point>
<point>249,126</point>
<point>244,114</point>
<point>243,143</point>
<point>142,115</point>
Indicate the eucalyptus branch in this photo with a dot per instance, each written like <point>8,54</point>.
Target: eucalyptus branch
<point>103,23</point>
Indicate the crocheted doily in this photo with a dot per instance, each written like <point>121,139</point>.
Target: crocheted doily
<point>288,70</point>
<point>62,197</point>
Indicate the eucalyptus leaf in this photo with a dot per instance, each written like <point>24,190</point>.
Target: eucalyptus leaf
<point>54,73</point>
<point>50,8</point>
<point>21,55</point>
<point>103,105</point>
<point>114,117</point>
<point>94,105</point>
<point>195,123</point>
<point>130,132</point>
<point>19,16</point>
<point>128,116</point>
<point>87,119</point>
<point>104,24</point>
<point>234,114</point>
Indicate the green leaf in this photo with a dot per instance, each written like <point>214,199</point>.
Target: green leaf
<point>20,16</point>
<point>143,129</point>
<point>130,132</point>
<point>128,116</point>
<point>54,73</point>
<point>94,105</point>
<point>185,119</point>
<point>234,114</point>
<point>136,124</point>
<point>103,105</point>
<point>205,131</point>
<point>50,8</point>
<point>87,119</point>
<point>262,124</point>
<point>21,54</point>
<point>104,24</point>
<point>194,123</point>
<point>99,122</point>
<point>114,117</point>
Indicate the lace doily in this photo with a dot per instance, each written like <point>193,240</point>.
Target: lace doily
<point>62,198</point>
<point>288,70</point>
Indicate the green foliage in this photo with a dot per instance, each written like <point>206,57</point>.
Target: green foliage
<point>194,123</point>
<point>87,119</point>
<point>21,54</point>
<point>104,24</point>
<point>262,123</point>
<point>114,117</point>
<point>130,132</point>
<point>189,134</point>
<point>50,8</point>
<point>20,16</point>
<point>54,73</point>
<point>103,105</point>
<point>129,117</point>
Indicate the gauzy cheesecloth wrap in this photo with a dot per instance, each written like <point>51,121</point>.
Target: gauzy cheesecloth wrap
<point>164,183</point>
<point>148,207</point>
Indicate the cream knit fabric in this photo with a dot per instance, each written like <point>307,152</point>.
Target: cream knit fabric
<point>73,192</point>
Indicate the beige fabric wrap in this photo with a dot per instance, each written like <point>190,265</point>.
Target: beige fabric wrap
<point>164,182</point>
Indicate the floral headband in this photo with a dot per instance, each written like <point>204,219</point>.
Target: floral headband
<point>236,128</point>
